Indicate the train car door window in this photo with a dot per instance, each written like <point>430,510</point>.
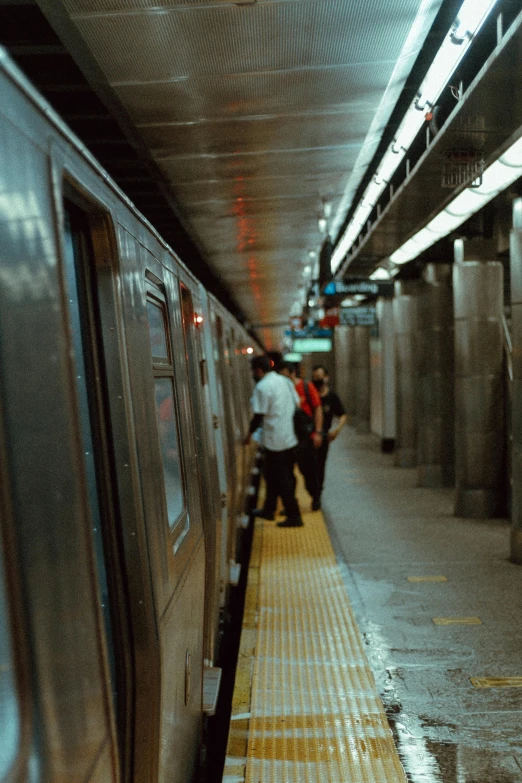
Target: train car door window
<point>77,252</point>
<point>166,414</point>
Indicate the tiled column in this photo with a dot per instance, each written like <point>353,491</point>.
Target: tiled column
<point>436,383</point>
<point>516,336</point>
<point>405,320</point>
<point>345,382</point>
<point>479,405</point>
<point>362,390</point>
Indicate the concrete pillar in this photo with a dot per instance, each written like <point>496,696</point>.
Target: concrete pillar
<point>405,322</point>
<point>479,404</point>
<point>516,336</point>
<point>351,392</point>
<point>362,376</point>
<point>387,391</point>
<point>343,344</point>
<point>436,381</point>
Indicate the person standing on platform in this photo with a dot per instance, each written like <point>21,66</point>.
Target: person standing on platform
<point>274,403</point>
<point>307,447</point>
<point>332,406</point>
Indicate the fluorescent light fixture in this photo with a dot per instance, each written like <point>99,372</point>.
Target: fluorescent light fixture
<point>312,345</point>
<point>307,270</point>
<point>322,225</point>
<point>380,274</point>
<point>497,177</point>
<point>471,16</point>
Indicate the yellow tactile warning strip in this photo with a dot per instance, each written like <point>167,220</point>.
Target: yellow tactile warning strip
<point>457,621</point>
<point>427,578</point>
<point>496,682</point>
<point>306,707</point>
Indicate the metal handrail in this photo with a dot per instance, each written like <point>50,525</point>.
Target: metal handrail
<point>508,347</point>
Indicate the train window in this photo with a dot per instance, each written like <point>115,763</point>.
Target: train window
<point>166,413</point>
<point>10,719</point>
<point>168,438</point>
<point>157,330</point>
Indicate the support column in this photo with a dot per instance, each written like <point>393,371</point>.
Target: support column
<point>479,404</point>
<point>352,373</point>
<point>516,336</point>
<point>389,405</point>
<point>345,386</point>
<point>436,382</point>
<point>362,390</point>
<point>405,320</point>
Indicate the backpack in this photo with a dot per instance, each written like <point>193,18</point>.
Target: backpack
<point>304,424</point>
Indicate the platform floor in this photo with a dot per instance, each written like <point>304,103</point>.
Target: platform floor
<point>439,612</point>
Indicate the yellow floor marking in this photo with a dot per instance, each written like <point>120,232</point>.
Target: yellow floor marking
<point>457,621</point>
<point>427,579</point>
<point>307,706</point>
<point>496,682</point>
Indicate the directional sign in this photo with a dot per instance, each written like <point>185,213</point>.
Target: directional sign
<point>368,287</point>
<point>313,331</point>
<point>357,316</point>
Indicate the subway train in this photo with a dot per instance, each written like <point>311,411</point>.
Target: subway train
<point>124,402</point>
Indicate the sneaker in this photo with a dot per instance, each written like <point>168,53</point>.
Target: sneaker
<point>290,523</point>
<point>316,504</point>
<point>261,513</point>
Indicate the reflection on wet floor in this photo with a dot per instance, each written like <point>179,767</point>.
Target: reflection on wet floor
<point>410,562</point>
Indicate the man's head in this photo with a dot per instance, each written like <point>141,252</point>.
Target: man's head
<point>288,369</point>
<point>320,376</point>
<point>260,367</point>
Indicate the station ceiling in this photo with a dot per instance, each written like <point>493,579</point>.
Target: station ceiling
<point>256,115</point>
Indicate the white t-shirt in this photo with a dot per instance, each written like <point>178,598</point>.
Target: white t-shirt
<point>276,398</point>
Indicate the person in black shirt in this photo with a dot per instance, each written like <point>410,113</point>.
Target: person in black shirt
<point>332,406</point>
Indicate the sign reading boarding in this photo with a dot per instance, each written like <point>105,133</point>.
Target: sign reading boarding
<point>312,345</point>
<point>367,287</point>
<point>357,316</point>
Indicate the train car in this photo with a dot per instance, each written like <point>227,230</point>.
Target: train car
<point>123,407</point>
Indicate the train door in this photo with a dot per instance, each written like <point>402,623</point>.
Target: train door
<point>210,496</point>
<point>227,406</point>
<point>15,720</point>
<point>218,436</point>
<point>170,477</point>
<point>97,449</point>
<point>238,413</point>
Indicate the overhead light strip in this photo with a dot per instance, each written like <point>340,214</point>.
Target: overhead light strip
<point>496,178</point>
<point>470,18</point>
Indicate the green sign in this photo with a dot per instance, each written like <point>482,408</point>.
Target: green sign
<point>312,345</point>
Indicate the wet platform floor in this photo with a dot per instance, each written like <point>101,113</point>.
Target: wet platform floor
<point>438,611</point>
<point>433,645</point>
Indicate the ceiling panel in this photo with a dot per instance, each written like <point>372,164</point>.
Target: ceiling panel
<point>256,113</point>
<point>239,38</point>
<point>257,135</point>
<point>355,88</point>
<point>260,188</point>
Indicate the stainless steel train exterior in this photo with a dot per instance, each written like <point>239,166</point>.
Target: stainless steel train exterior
<point>124,402</point>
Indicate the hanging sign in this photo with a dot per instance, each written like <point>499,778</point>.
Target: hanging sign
<point>358,316</point>
<point>367,287</point>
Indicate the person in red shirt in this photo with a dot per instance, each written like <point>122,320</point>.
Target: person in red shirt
<point>307,449</point>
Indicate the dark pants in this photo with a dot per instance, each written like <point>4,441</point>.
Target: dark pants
<point>280,481</point>
<point>309,466</point>
<point>322,453</point>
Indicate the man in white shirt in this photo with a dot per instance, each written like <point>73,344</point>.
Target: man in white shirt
<point>274,403</point>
